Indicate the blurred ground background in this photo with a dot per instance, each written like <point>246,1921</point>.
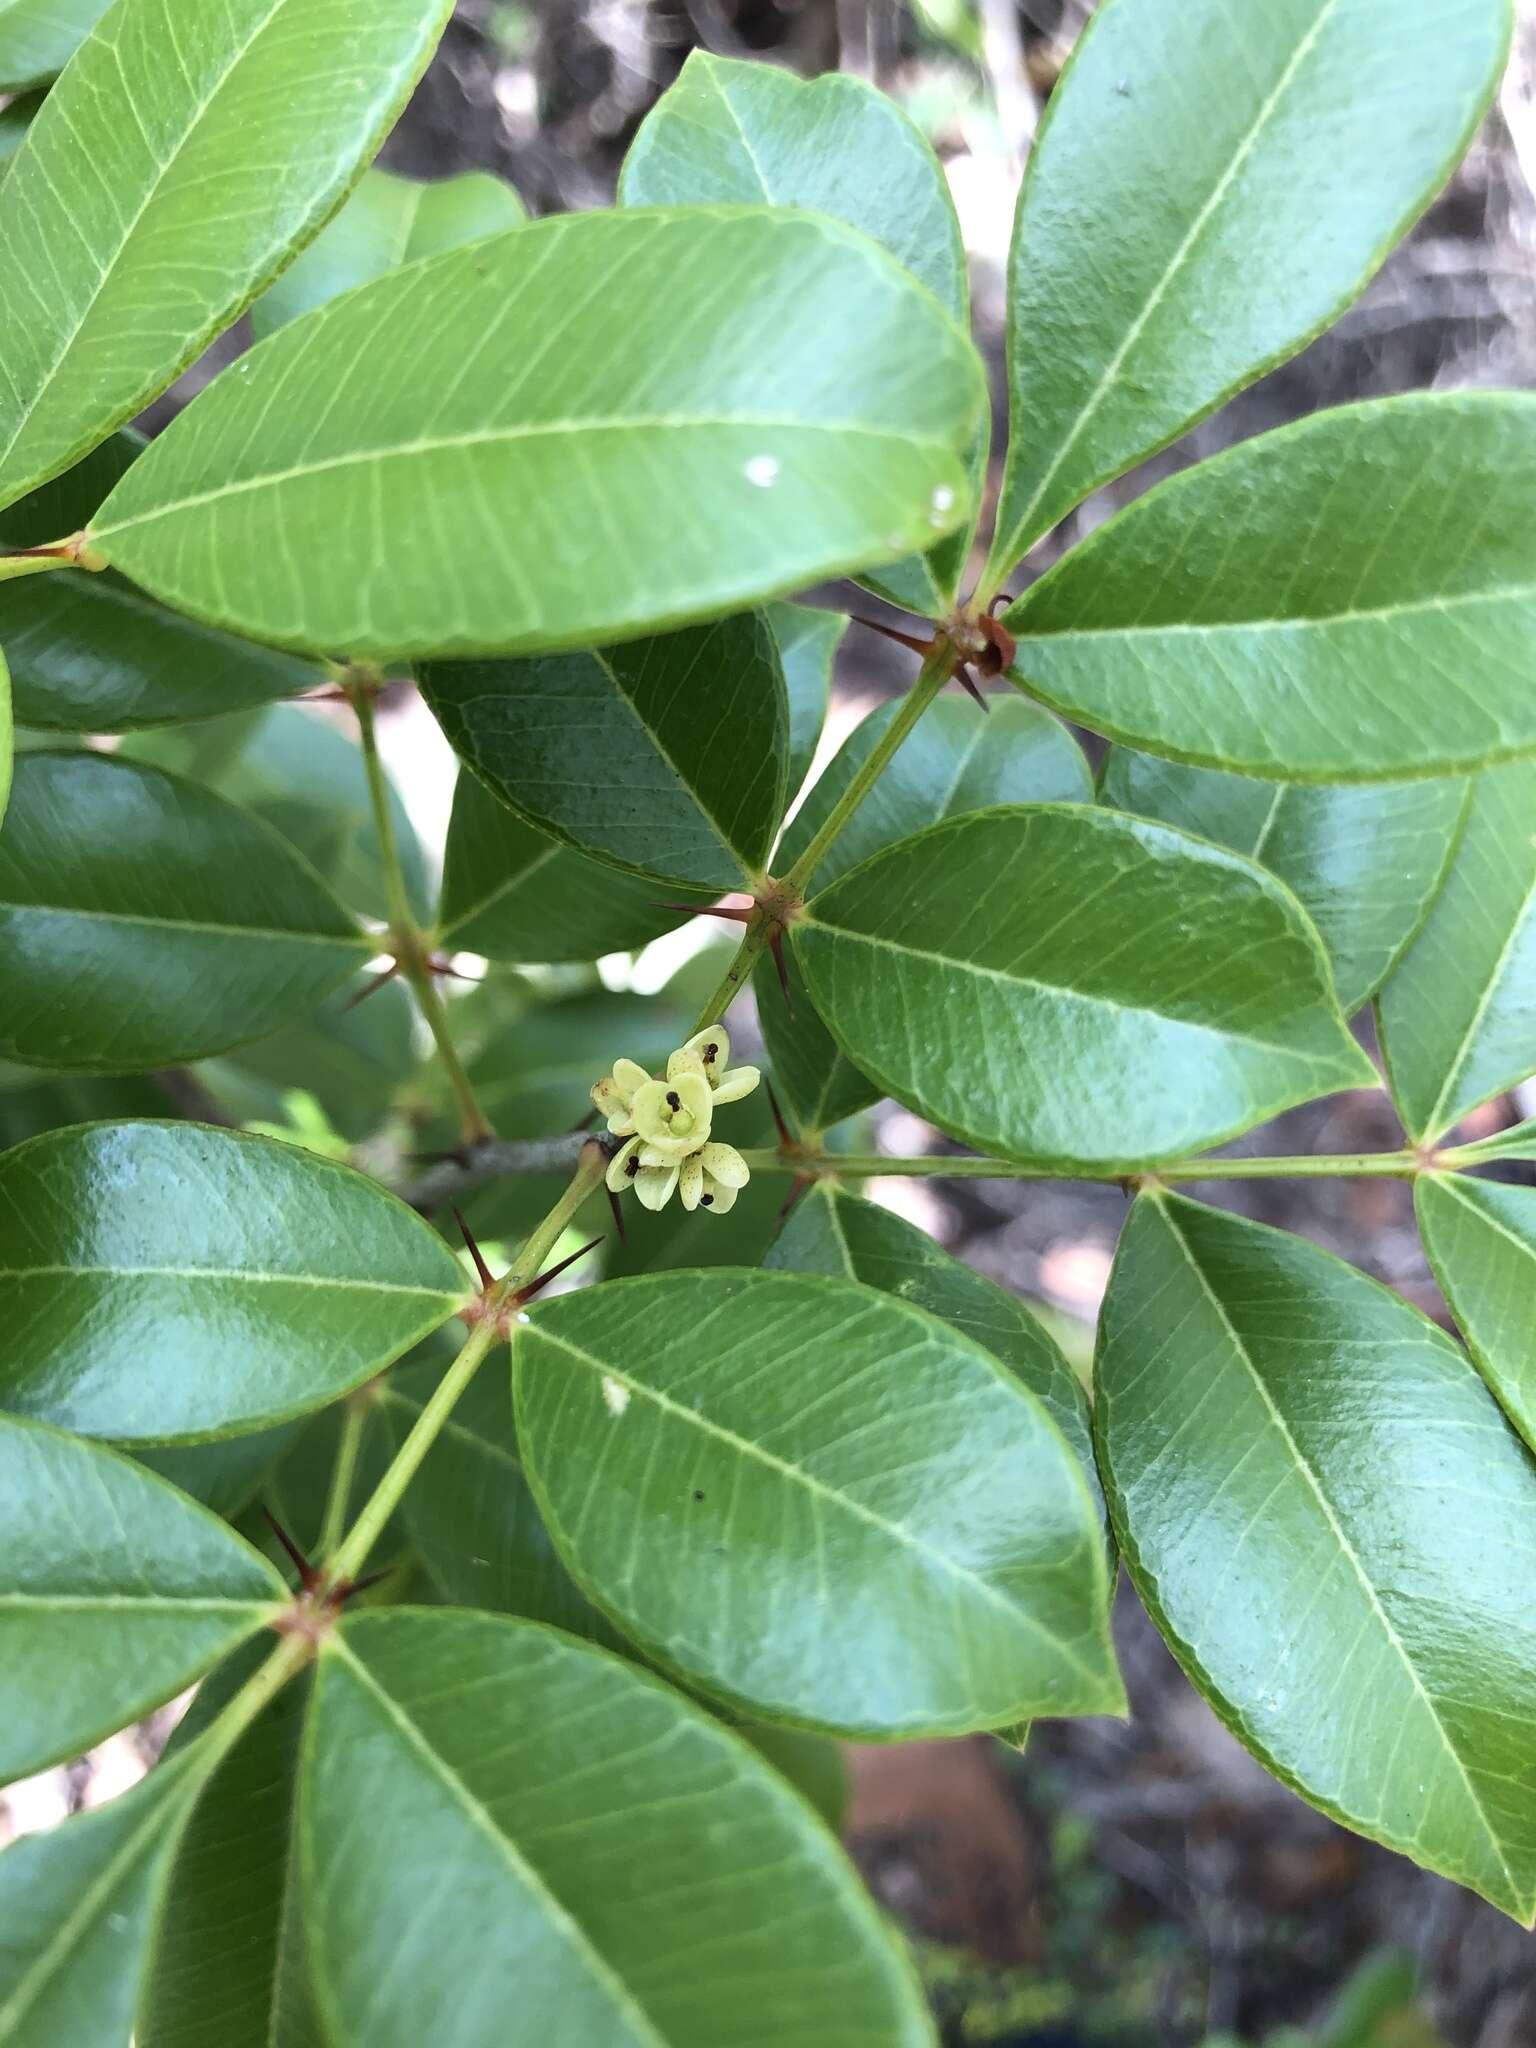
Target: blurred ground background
<point>1118,1886</point>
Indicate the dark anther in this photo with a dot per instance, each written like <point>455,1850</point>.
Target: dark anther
<point>632,1165</point>
<point>674,1100</point>
<point>709,1053</point>
<point>706,1201</point>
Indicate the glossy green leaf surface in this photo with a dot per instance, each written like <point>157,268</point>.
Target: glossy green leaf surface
<point>146,921</point>
<point>808,642</point>
<point>7,737</point>
<point>751,133</point>
<point>387,221</point>
<point>1347,600</point>
<point>777,374</point>
<point>839,1234</point>
<point>666,757</point>
<point>166,1281</point>
<point>118,1593</point>
<point>92,654</point>
<point>354,1061</point>
<point>1363,861</point>
<point>903,1544</point>
<point>38,38</point>
<point>958,759</point>
<point>228,1968</point>
<point>625,1871</point>
<point>225,1473</point>
<point>1197,207</point>
<point>1335,1528</point>
<point>469,1513</point>
<point>79,1911</point>
<point>1060,983</point>
<point>1458,1018</point>
<point>512,893</point>
<point>817,1085</point>
<point>1481,1240</point>
<point>536,1076</point>
<point>182,158</point>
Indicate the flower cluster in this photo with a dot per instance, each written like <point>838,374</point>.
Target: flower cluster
<point>666,1125</point>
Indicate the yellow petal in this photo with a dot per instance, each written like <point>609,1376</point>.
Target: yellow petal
<point>654,1186</point>
<point>617,1176</point>
<point>738,1082</point>
<point>684,1061</point>
<point>726,1165</point>
<point>690,1181</point>
<point>692,1090</point>
<point>717,1198</point>
<point>627,1077</point>
<point>713,1046</point>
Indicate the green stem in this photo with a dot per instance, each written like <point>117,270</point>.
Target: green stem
<point>482,1339</point>
<point>354,1420</point>
<point>37,564</point>
<point>253,1698</point>
<point>791,888</point>
<point>874,1166</point>
<point>405,938</point>
<point>935,674</point>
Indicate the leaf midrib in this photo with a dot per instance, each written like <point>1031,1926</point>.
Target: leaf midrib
<point>345,941</point>
<point>251,1609</point>
<point>622,1997</point>
<point>1299,622</point>
<point>894,1531</point>
<point>162,170</point>
<point>1059,991</point>
<point>1304,1468</point>
<point>325,1280</point>
<point>1207,212</point>
<point>527,431</point>
<point>1435,1122</point>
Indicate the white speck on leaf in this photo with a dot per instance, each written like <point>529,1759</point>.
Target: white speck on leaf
<point>943,503</point>
<point>763,470</point>
<point>615,1395</point>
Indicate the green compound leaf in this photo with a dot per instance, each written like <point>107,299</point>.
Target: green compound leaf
<point>774,374</point>
<point>1322,1506</point>
<point>92,654</point>
<point>118,1593</point>
<point>228,1968</point>
<point>7,737</point>
<point>850,1239</point>
<point>808,643</point>
<point>1481,1240</point>
<point>1364,862</point>
<point>751,134</point>
<point>184,155</point>
<point>1458,1018</point>
<point>1058,983</point>
<point>80,1909</point>
<point>1199,206</point>
<point>626,1871</point>
<point>903,1546</point>
<point>1350,599</point>
<point>469,1513</point>
<point>664,757</point>
<point>38,38</point>
<point>514,894</point>
<point>536,1076</point>
<point>956,760</point>
<point>387,222</point>
<point>146,921</point>
<point>225,1473</point>
<point>259,1280</point>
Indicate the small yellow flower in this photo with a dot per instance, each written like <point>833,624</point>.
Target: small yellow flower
<point>712,1177</point>
<point>667,1125</point>
<point>615,1093</point>
<point>709,1053</point>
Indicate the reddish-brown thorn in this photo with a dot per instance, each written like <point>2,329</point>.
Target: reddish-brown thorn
<point>344,1592</point>
<point>776,947</point>
<point>618,1216</point>
<point>309,1578</point>
<point>526,1294</point>
<point>704,910</point>
<point>371,988</point>
<point>890,633</point>
<point>968,683</point>
<point>486,1281</point>
<point>1001,598</point>
<point>786,1141</point>
<point>797,1188</point>
<point>325,697</point>
<point>437,965</point>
